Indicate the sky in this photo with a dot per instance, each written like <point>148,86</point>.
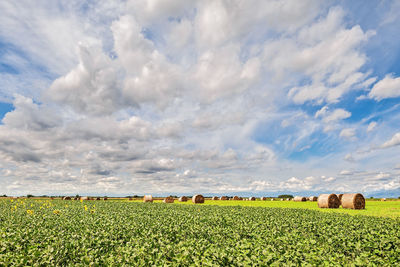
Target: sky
<point>215,97</point>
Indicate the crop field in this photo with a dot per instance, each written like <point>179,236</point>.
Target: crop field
<point>55,232</point>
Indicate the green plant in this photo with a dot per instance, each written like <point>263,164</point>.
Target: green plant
<point>115,233</point>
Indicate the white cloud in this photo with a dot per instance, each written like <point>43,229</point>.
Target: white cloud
<point>394,141</point>
<point>348,133</point>
<point>159,96</point>
<point>332,116</point>
<point>388,87</point>
<point>349,158</point>
<point>371,126</point>
<point>91,87</point>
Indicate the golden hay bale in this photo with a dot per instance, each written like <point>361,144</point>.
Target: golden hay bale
<point>198,199</point>
<point>236,198</point>
<point>264,198</point>
<point>353,201</point>
<point>223,198</point>
<point>299,199</point>
<point>76,198</point>
<point>147,198</point>
<point>130,199</point>
<point>282,199</point>
<point>288,199</point>
<point>272,199</point>
<point>66,198</point>
<point>105,198</point>
<point>182,199</point>
<point>383,199</point>
<point>252,198</point>
<point>215,198</point>
<point>313,198</point>
<point>84,198</point>
<point>340,197</point>
<point>330,201</point>
<point>97,198</point>
<point>168,200</point>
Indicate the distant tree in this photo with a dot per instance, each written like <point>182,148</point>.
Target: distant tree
<point>6,195</point>
<point>371,197</point>
<point>29,196</point>
<point>285,196</point>
<point>77,196</point>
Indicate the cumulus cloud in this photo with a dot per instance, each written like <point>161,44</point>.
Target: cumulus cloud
<point>91,87</point>
<point>348,133</point>
<point>160,96</point>
<point>394,141</point>
<point>332,116</point>
<point>388,87</point>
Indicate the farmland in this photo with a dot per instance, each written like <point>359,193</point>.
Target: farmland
<point>46,232</point>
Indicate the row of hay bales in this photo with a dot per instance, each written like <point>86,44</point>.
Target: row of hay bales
<point>348,201</point>
<point>197,199</point>
<point>84,198</point>
<point>254,198</point>
<point>303,199</point>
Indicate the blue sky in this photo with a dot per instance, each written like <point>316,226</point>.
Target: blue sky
<point>134,97</point>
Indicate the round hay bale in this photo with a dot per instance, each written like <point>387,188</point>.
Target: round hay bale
<point>299,199</point>
<point>224,198</point>
<point>105,198</point>
<point>97,198</point>
<point>353,201</point>
<point>236,198</point>
<point>330,201</point>
<point>130,199</point>
<point>198,199</point>
<point>264,198</point>
<point>272,199</point>
<point>282,199</point>
<point>76,198</point>
<point>66,198</point>
<point>215,198</point>
<point>340,197</point>
<point>252,198</point>
<point>182,199</point>
<point>288,199</point>
<point>313,198</point>
<point>168,200</point>
<point>84,198</point>
<point>383,199</point>
<point>147,198</point>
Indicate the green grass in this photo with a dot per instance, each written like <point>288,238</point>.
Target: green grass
<point>389,209</point>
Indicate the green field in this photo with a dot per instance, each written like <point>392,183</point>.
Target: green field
<point>389,209</point>
<point>44,232</point>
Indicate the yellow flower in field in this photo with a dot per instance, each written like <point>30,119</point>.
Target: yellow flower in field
<point>66,206</point>
<point>31,205</point>
<point>85,208</point>
<point>56,212</point>
<point>81,200</point>
<point>92,211</point>
<point>29,212</point>
<point>12,200</point>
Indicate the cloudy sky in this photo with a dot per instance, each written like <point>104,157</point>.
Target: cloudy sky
<point>133,97</point>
